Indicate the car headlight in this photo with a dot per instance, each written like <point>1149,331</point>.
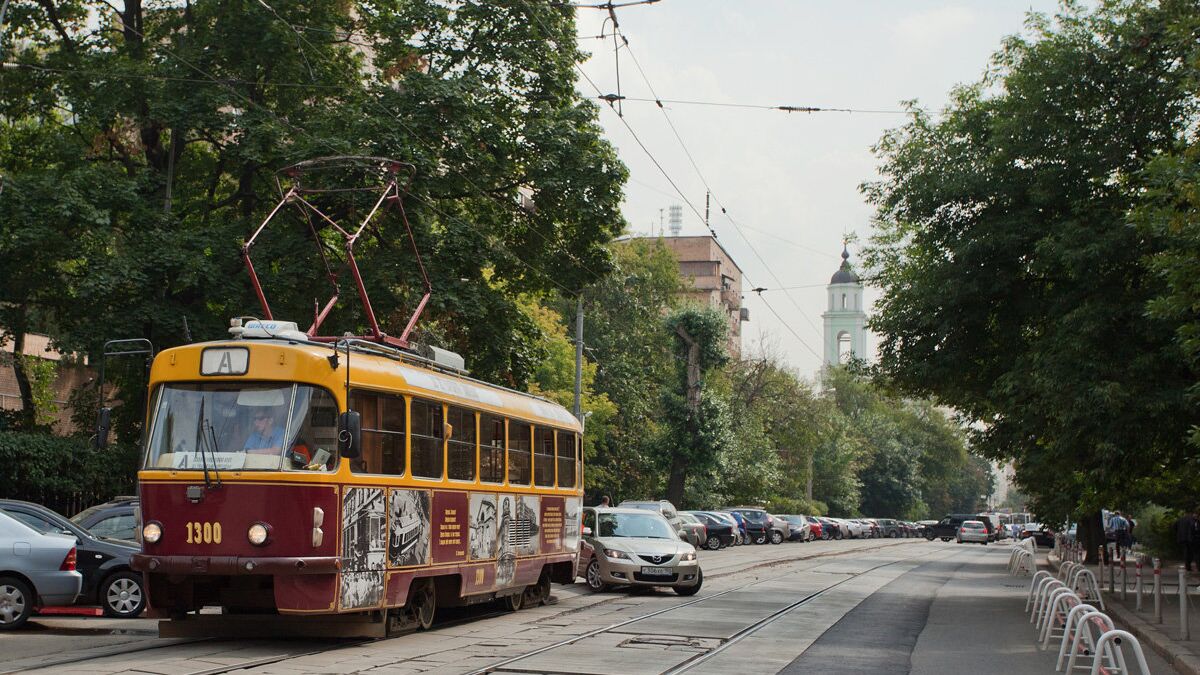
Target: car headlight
<point>688,557</point>
<point>258,533</point>
<point>151,532</point>
<point>613,553</point>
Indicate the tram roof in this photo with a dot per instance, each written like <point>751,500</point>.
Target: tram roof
<point>380,370</point>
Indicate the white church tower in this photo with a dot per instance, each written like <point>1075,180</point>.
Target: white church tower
<point>845,320</point>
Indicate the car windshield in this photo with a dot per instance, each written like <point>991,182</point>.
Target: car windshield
<point>646,526</point>
<point>243,427</point>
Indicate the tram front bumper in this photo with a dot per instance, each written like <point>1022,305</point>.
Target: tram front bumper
<point>233,565</point>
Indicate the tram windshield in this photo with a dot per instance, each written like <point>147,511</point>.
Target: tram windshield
<point>243,427</point>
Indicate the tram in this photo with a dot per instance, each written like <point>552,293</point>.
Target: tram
<point>454,491</point>
<point>346,486</point>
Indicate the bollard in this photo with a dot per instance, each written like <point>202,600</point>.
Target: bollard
<point>1184,633</point>
<point>1157,591</point>
<point>1137,585</point>
<point>1112,576</point>
<point>1124,578</point>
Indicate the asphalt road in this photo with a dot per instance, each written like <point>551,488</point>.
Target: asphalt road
<point>906,606</point>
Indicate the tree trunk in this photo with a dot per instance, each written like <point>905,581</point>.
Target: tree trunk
<point>1091,536</point>
<point>675,481</point>
<point>28,411</point>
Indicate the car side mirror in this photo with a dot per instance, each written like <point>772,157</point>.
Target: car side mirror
<point>103,425</point>
<point>350,434</point>
<point>587,531</point>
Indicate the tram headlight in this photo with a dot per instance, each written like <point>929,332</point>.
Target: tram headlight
<point>152,532</point>
<point>258,533</point>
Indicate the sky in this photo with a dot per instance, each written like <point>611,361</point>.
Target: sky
<point>789,181</point>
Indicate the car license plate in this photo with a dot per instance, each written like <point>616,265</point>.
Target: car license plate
<point>657,571</point>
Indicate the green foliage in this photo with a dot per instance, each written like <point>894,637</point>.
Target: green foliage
<point>1155,531</point>
<point>59,471</point>
<point>796,505</point>
<point>42,373</point>
<point>1014,289</point>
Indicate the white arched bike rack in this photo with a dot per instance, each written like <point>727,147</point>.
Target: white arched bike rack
<point>1118,639</point>
<point>1086,644</point>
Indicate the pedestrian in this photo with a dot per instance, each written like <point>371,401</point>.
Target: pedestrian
<point>1186,530</point>
<point>1118,528</point>
<point>605,501</point>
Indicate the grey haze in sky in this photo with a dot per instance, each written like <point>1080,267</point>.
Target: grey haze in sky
<point>789,180</point>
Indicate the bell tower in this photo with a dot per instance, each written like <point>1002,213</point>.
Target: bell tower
<point>845,319</point>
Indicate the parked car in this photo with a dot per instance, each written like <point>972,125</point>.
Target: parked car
<point>693,529</point>
<point>719,532</point>
<point>737,529</point>
<point>42,575</point>
<point>799,529</point>
<point>874,525</point>
<point>923,528</point>
<point>663,508</point>
<point>974,531</point>
<point>889,528</point>
<point>104,563</point>
<point>1042,535</point>
<point>635,547</point>
<point>114,519</point>
<point>834,528</point>
<point>781,530</point>
<point>758,524</point>
<point>856,529</point>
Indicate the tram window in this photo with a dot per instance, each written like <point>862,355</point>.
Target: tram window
<point>543,457</point>
<point>460,449</point>
<point>382,433</point>
<point>491,449</point>
<point>428,433</point>
<point>519,436</point>
<point>566,459</point>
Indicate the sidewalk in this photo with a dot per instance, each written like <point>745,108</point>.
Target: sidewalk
<point>1165,638</point>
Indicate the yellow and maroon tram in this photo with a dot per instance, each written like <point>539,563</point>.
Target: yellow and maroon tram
<point>285,476</point>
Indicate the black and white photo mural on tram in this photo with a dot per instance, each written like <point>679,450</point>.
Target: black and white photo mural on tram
<point>485,534</point>
<point>528,511</point>
<point>408,543</point>
<point>363,548</point>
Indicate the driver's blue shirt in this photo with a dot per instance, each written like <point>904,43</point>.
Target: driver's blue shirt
<point>258,441</point>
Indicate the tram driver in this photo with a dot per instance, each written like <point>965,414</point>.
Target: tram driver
<point>267,434</point>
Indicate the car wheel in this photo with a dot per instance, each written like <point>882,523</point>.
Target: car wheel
<point>945,538</point>
<point>838,535</point>
<point>958,540</point>
<point>760,538</point>
<point>712,543</point>
<point>16,603</point>
<point>776,537</point>
<point>894,534</point>
<point>122,596</point>
<point>595,582</point>
<point>984,543</point>
<point>688,591</point>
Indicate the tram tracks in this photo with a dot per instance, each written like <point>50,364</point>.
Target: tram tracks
<point>308,650</point>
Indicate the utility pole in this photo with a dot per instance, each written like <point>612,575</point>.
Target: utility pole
<point>707,197</point>
<point>579,358</point>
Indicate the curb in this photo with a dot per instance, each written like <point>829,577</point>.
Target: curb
<point>1177,656</point>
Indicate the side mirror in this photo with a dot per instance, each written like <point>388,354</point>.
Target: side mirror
<point>350,434</point>
<point>587,531</point>
<point>103,425</point>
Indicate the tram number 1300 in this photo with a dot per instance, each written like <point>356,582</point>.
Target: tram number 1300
<point>203,533</point>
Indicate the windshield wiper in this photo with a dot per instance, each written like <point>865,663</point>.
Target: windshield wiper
<point>200,443</point>
<point>214,448</point>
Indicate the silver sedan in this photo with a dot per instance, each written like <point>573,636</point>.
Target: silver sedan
<point>36,570</point>
<point>636,548</point>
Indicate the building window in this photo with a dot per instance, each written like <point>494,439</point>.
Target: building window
<point>491,449</point>
<point>519,438</point>
<point>543,457</point>
<point>843,301</point>
<point>460,447</point>
<point>428,434</point>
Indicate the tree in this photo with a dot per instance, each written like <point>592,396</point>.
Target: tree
<point>145,141</point>
<point>1014,289</point>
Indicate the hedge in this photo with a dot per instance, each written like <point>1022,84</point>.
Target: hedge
<point>64,473</point>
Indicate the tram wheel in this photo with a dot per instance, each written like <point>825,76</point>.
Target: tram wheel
<point>540,592</point>
<point>515,601</point>
<point>422,602</point>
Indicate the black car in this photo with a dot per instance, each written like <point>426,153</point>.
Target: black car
<point>758,524</point>
<point>104,563</point>
<point>947,528</point>
<point>720,534</point>
<point>889,528</point>
<point>114,519</point>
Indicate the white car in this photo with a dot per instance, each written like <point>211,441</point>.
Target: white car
<point>858,529</point>
<point>972,530</point>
